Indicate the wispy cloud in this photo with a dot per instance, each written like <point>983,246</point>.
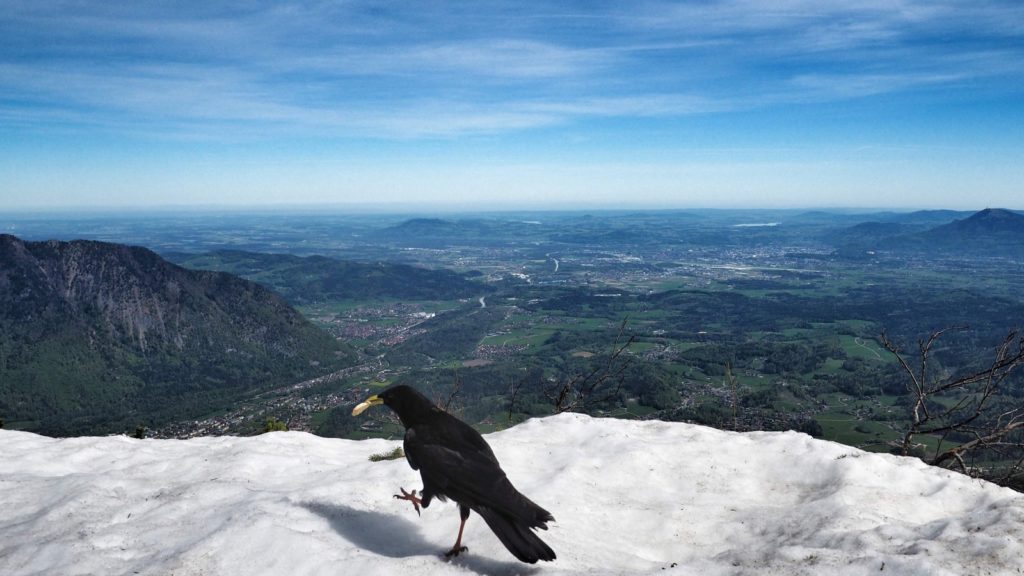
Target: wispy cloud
<point>410,71</point>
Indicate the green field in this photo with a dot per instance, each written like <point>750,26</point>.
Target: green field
<point>866,349</point>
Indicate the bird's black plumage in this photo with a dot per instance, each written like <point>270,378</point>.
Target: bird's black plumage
<point>455,462</point>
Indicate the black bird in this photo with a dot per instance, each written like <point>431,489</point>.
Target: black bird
<point>455,462</point>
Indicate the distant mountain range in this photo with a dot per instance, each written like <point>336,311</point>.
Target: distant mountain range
<point>991,224</point>
<point>302,280</point>
<point>991,232</point>
<point>440,233</point>
<point>98,337</point>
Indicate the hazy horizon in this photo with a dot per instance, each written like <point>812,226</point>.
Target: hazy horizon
<point>425,210</point>
<point>512,106</point>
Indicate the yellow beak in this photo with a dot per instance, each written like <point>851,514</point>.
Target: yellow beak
<point>362,406</point>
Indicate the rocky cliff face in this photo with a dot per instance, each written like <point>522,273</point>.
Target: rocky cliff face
<point>87,320</point>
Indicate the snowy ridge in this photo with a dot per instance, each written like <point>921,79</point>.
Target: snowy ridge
<point>629,497</point>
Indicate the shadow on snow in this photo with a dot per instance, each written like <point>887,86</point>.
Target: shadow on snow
<point>395,537</point>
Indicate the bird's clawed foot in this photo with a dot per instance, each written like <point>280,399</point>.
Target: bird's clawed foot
<point>411,497</point>
<point>456,551</point>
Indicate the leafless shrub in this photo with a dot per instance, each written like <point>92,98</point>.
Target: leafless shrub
<point>448,404</point>
<point>973,415</point>
<point>578,392</point>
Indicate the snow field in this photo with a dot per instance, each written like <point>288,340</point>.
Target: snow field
<point>629,498</point>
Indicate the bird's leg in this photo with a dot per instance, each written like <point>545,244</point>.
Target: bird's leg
<point>458,548</point>
<point>411,497</point>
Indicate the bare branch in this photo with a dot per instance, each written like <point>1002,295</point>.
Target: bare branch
<point>446,405</point>
<point>577,392</point>
<point>979,442</point>
<point>516,387</point>
<point>991,420</point>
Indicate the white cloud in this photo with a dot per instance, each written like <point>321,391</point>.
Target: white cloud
<point>357,69</point>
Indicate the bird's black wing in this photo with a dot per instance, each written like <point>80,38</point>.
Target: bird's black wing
<point>455,462</point>
<point>409,446</point>
<point>448,453</point>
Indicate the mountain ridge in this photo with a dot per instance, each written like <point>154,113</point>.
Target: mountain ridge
<point>304,279</point>
<point>98,334</point>
<point>989,232</point>
<point>984,222</point>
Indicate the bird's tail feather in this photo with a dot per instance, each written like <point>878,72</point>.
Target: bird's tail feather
<point>516,536</point>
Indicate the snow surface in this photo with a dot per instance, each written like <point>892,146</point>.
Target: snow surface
<point>630,497</point>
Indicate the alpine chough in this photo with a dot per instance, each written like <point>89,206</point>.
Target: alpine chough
<point>455,462</point>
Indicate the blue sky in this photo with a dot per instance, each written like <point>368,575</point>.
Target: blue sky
<point>476,105</point>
